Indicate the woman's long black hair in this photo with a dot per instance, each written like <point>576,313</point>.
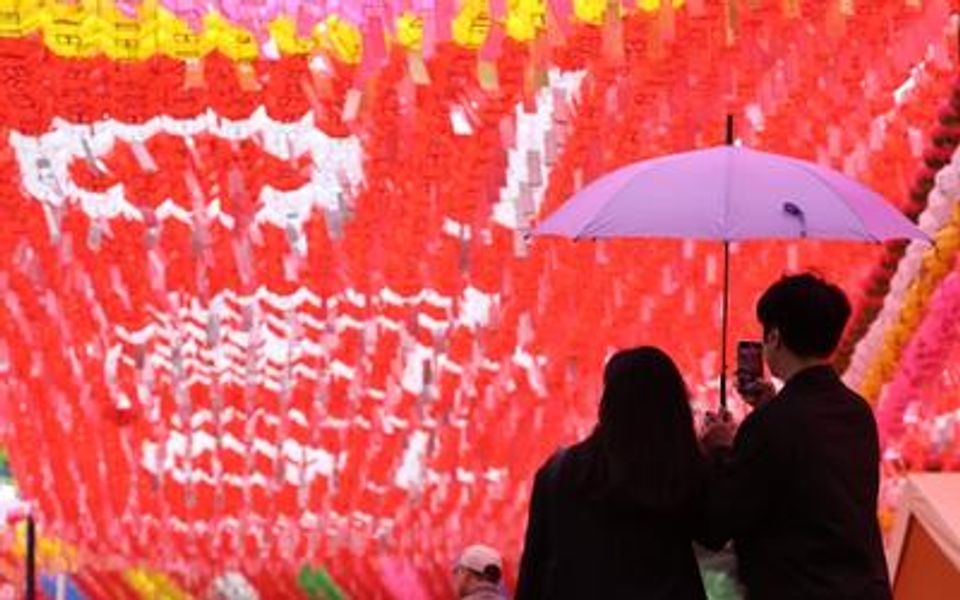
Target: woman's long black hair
<point>644,449</point>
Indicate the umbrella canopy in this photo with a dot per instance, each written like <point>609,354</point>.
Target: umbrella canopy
<point>728,193</point>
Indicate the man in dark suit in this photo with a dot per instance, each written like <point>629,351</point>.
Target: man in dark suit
<point>797,488</point>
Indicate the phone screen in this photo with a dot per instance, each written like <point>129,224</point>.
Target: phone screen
<point>749,361</point>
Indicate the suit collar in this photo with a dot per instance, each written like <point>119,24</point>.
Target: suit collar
<point>811,377</point>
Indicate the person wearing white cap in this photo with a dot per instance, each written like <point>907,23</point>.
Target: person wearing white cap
<point>478,574</point>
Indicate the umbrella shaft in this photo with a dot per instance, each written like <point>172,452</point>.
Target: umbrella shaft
<point>723,325</point>
<point>726,296</point>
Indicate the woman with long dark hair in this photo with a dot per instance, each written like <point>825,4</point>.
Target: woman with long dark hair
<point>614,515</point>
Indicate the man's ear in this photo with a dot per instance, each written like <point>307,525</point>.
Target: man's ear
<point>772,337</point>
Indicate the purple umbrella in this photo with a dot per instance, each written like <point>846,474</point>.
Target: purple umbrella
<point>728,193</point>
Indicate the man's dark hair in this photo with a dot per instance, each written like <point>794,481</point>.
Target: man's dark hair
<point>808,311</point>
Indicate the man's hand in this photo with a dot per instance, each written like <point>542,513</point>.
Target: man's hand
<point>718,432</point>
<point>757,392</point>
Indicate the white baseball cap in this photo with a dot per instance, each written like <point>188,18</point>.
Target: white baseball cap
<point>479,558</point>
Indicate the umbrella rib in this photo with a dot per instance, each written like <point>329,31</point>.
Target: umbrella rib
<point>596,216</point>
<point>829,186</point>
<point>593,218</point>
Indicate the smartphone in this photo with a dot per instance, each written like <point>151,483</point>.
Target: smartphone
<point>749,362</point>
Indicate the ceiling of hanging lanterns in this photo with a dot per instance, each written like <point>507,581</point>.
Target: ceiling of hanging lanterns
<point>269,302</point>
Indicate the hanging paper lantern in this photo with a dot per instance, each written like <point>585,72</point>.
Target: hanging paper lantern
<point>232,586</point>
<point>269,297</point>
